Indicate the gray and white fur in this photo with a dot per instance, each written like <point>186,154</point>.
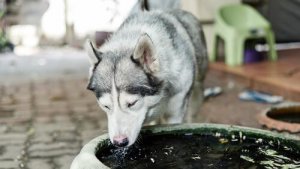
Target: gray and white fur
<point>153,66</point>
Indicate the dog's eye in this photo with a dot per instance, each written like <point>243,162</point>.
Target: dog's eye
<point>90,88</point>
<point>107,107</point>
<point>131,104</point>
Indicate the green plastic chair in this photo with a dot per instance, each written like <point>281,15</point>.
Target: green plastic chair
<point>237,23</point>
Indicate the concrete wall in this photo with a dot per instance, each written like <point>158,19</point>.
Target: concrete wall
<point>43,20</point>
<point>52,21</point>
<point>205,10</point>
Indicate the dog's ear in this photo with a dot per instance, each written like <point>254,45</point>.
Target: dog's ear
<point>145,55</point>
<point>94,54</point>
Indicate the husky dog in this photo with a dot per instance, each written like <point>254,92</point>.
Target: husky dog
<point>152,66</point>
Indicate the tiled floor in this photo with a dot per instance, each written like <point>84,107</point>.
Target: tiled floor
<point>45,123</point>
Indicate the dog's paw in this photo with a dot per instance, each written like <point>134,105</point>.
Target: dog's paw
<point>87,161</point>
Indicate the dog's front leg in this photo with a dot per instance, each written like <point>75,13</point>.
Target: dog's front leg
<point>177,107</point>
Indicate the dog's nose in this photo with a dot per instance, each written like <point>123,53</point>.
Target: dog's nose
<point>120,141</point>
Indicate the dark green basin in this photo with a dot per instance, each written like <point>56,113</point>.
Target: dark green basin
<point>195,146</point>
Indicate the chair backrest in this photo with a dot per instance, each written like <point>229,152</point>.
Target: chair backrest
<point>239,15</point>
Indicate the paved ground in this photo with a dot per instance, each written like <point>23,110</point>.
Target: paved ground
<point>44,123</point>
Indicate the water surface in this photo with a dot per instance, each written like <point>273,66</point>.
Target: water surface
<point>190,151</point>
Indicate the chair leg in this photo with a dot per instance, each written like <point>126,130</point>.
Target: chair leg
<point>240,51</point>
<point>271,42</point>
<point>213,55</point>
<point>234,51</point>
<point>230,52</point>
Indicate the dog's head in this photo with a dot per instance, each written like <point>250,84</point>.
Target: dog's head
<point>126,87</point>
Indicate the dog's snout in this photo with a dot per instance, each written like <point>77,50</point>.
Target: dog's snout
<point>120,141</point>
